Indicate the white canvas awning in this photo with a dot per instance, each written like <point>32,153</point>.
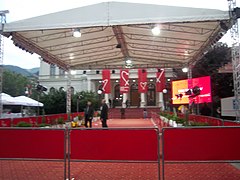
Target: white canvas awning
<point>26,101</point>
<point>7,99</point>
<point>186,33</point>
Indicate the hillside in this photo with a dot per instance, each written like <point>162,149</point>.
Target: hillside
<point>25,72</point>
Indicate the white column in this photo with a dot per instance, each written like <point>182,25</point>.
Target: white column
<point>161,101</point>
<point>143,101</point>
<point>106,97</point>
<point>89,85</point>
<point>124,100</point>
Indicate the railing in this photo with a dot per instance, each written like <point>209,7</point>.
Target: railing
<point>200,144</point>
<point>36,120</point>
<point>31,144</point>
<point>83,145</point>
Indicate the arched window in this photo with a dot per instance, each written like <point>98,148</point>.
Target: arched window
<point>61,89</point>
<point>52,90</point>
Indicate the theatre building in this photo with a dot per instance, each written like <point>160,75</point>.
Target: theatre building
<point>138,92</point>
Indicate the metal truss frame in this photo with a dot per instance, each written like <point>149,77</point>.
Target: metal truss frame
<point>235,55</point>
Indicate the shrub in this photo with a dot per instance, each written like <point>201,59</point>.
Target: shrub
<point>198,124</point>
<point>60,120</point>
<point>24,124</point>
<point>43,125</point>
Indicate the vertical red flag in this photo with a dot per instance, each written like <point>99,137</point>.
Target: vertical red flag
<point>106,83</point>
<point>160,80</point>
<point>124,80</point>
<point>142,81</point>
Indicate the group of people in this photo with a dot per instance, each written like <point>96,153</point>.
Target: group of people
<point>89,113</point>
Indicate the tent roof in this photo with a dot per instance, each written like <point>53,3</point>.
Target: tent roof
<point>185,35</point>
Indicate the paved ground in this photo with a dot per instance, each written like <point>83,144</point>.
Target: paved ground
<point>38,170</point>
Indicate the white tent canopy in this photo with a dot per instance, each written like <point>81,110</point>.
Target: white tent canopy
<point>7,99</point>
<point>20,100</point>
<point>26,101</point>
<point>186,33</point>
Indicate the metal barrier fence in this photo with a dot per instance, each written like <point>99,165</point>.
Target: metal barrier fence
<point>31,144</point>
<point>200,144</point>
<point>35,120</point>
<point>81,145</point>
<point>114,145</point>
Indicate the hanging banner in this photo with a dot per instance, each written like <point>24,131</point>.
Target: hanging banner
<point>160,80</point>
<point>124,81</point>
<point>106,83</point>
<point>142,81</point>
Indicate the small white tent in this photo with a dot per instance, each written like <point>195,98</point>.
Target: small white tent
<point>7,99</point>
<point>26,101</point>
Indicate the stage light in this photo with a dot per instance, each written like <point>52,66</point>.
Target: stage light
<point>84,72</point>
<point>128,61</point>
<point>164,91</point>
<point>97,72</point>
<point>185,69</point>
<point>151,80</point>
<point>77,33</point>
<point>117,81</point>
<point>156,31</point>
<point>100,91</point>
<point>113,71</point>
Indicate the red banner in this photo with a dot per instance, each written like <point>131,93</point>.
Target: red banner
<point>142,81</point>
<point>106,83</point>
<point>124,81</point>
<point>160,80</point>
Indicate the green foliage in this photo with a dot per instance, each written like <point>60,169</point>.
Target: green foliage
<point>24,124</point>
<point>43,125</point>
<point>55,101</point>
<point>199,124</point>
<point>80,117</point>
<point>60,120</point>
<point>43,120</point>
<point>14,84</point>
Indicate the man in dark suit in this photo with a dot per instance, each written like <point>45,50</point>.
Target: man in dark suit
<point>104,113</point>
<point>89,111</point>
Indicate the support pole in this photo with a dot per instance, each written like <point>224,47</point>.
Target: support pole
<point>69,94</point>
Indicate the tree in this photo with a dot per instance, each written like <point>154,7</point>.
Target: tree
<point>55,101</point>
<point>221,83</point>
<point>14,84</point>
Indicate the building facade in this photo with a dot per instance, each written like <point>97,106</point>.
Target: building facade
<point>91,80</point>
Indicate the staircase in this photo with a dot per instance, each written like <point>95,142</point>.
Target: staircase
<point>130,113</point>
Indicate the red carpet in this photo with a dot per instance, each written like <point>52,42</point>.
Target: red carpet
<point>38,170</point>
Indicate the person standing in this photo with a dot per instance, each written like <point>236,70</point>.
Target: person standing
<point>205,111</point>
<point>104,113</point>
<point>89,111</point>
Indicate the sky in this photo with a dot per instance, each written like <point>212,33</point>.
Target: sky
<point>23,9</point>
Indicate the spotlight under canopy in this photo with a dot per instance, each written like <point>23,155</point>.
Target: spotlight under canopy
<point>77,33</point>
<point>185,69</point>
<point>156,30</point>
<point>128,61</point>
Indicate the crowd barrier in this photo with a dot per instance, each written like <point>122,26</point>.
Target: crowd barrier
<point>30,144</point>
<point>36,120</point>
<point>200,144</point>
<point>79,145</point>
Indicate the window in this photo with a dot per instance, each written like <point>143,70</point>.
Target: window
<point>61,72</point>
<point>52,70</point>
